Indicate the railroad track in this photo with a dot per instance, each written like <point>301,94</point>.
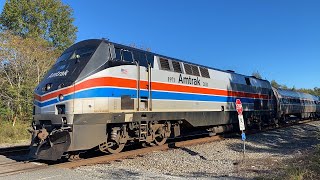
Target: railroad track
<point>13,167</point>
<point>16,161</point>
<point>7,151</point>
<point>16,167</point>
<point>170,145</point>
<point>112,157</point>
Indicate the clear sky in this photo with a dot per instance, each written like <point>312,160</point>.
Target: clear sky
<point>278,38</point>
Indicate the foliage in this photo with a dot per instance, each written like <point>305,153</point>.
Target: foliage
<point>275,84</point>
<point>23,63</point>
<point>47,19</point>
<point>257,75</point>
<point>12,134</point>
<point>305,168</point>
<point>314,91</point>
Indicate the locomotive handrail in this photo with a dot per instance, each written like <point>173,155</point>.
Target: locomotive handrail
<point>149,87</point>
<point>138,85</point>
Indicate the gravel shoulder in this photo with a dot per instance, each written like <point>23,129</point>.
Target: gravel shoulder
<point>265,152</point>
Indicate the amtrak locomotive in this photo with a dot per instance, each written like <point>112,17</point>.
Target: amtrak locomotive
<point>105,95</point>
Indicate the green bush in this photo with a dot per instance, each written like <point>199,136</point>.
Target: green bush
<point>14,134</point>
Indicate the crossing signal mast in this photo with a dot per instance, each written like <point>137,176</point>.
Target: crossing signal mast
<point>239,109</point>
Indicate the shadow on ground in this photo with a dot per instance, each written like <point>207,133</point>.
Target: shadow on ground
<point>282,141</point>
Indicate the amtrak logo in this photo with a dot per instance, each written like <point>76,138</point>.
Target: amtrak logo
<point>60,73</point>
<point>189,80</point>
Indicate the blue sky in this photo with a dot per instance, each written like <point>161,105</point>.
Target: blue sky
<point>278,38</point>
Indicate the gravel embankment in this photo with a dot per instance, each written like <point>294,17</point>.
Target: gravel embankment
<point>223,159</point>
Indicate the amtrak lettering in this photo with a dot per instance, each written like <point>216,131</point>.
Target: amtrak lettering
<point>60,73</point>
<point>189,80</point>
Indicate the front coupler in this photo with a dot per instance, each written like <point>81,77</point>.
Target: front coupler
<point>49,146</point>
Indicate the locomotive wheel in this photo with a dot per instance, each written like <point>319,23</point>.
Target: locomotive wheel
<point>160,138</point>
<point>116,148</point>
<point>116,140</point>
<point>103,147</point>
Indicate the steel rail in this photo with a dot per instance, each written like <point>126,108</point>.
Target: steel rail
<point>14,150</point>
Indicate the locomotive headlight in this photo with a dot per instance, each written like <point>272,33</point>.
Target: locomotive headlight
<point>60,97</point>
<point>48,86</point>
<point>64,120</point>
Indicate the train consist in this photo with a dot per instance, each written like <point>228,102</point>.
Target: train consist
<point>105,95</point>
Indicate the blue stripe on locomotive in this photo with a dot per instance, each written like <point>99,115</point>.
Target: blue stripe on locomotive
<point>161,95</point>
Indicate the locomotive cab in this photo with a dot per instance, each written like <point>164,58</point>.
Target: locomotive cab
<point>53,113</point>
<point>62,109</point>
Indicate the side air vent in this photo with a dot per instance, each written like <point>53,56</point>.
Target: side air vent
<point>176,66</point>
<point>188,69</point>
<point>164,63</point>
<point>204,72</point>
<point>195,70</point>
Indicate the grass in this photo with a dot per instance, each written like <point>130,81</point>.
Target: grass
<point>296,173</point>
<point>305,167</point>
<point>14,134</point>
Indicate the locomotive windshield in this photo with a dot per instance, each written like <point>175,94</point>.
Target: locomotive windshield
<point>127,56</point>
<point>77,53</point>
<point>64,57</point>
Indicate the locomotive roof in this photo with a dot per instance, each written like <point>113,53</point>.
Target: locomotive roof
<point>168,57</point>
<point>295,94</point>
<point>84,43</point>
<point>96,42</point>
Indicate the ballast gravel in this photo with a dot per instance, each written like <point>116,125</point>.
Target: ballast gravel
<point>223,159</point>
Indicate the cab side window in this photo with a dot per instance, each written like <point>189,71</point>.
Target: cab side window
<point>127,56</point>
<point>141,58</point>
<point>118,54</point>
<point>123,55</point>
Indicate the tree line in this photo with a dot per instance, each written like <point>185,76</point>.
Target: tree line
<point>315,91</point>
<point>33,33</point>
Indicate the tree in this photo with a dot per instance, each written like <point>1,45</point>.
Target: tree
<point>23,63</point>
<point>281,86</point>
<point>47,19</point>
<point>275,84</point>
<point>316,91</point>
<point>257,75</point>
